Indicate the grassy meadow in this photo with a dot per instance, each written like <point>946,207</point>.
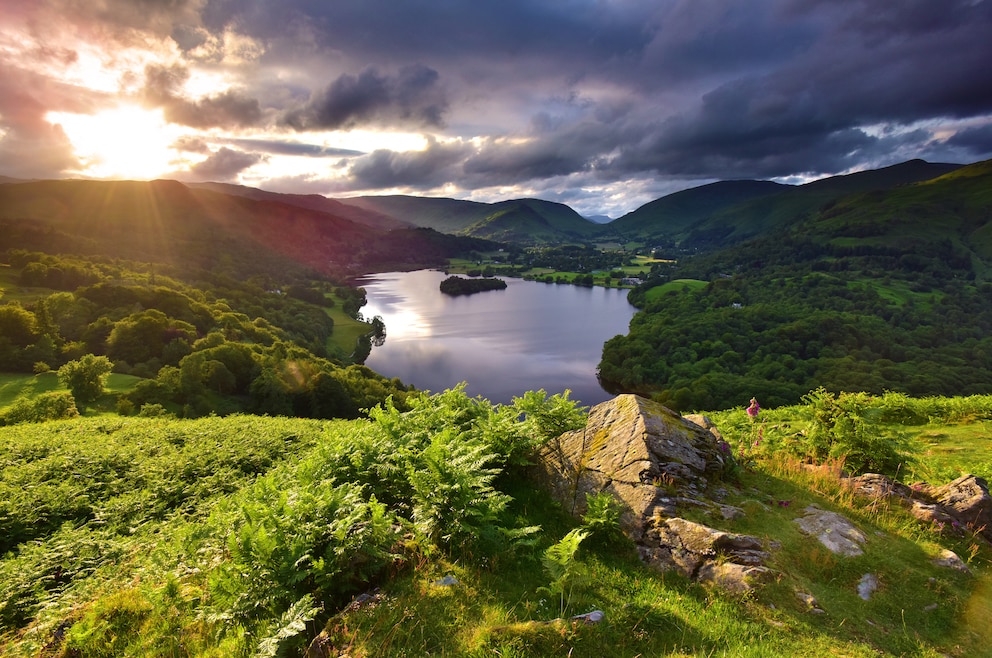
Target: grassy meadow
<point>419,533</point>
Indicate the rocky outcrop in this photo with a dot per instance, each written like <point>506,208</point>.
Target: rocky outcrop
<point>647,456</point>
<point>963,505</point>
<point>654,463</point>
<point>967,500</point>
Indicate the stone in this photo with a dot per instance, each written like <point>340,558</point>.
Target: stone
<point>591,617</point>
<point>950,559</point>
<point>931,513</point>
<point>867,586</point>
<point>641,452</point>
<point>732,577</point>
<point>732,561</point>
<point>730,513</point>
<point>967,500</point>
<point>832,530</point>
<point>809,601</point>
<point>874,485</point>
<point>706,424</point>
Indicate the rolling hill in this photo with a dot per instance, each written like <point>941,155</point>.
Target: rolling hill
<point>873,290</point>
<point>730,212</point>
<point>311,202</point>
<point>676,213</point>
<point>194,227</point>
<point>524,221</point>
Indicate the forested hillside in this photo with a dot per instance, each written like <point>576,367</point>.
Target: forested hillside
<point>883,290</point>
<point>727,213</point>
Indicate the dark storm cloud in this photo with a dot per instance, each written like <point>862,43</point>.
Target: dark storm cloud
<point>695,89</point>
<point>557,95</point>
<point>812,114</point>
<point>434,166</point>
<point>224,164</point>
<point>411,97</point>
<point>976,141</point>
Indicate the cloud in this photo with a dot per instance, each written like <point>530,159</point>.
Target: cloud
<point>432,167</point>
<point>31,146</point>
<point>224,165</point>
<point>286,147</point>
<point>229,109</point>
<point>411,97</point>
<point>977,140</point>
<point>556,97</point>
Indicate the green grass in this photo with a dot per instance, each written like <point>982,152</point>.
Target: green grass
<point>167,493</point>
<point>347,330</point>
<point>676,285</point>
<point>946,451</point>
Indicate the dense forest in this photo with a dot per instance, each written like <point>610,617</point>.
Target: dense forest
<point>874,292</point>
<point>221,347</point>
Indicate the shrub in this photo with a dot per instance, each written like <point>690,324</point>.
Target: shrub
<point>53,405</point>
<point>85,377</point>
<point>848,426</point>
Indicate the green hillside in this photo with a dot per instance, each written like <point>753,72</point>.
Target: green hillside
<point>730,212</point>
<point>194,228</point>
<point>674,215</point>
<point>420,533</point>
<point>523,221</point>
<point>873,291</point>
<point>310,201</point>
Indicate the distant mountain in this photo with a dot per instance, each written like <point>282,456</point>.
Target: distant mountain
<point>195,227</point>
<point>311,202</point>
<point>524,221</point>
<point>730,212</point>
<point>677,213</point>
<point>599,219</point>
<point>8,179</point>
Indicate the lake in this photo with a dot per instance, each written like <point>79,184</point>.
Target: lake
<point>502,342</point>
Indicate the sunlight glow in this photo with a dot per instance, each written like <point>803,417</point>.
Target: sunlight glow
<point>125,142</point>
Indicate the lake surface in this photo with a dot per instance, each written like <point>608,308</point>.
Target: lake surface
<point>501,342</point>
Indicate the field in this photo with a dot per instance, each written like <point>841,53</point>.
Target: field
<point>13,386</point>
<point>639,268</point>
<point>347,330</point>
<point>676,284</point>
<point>249,536</point>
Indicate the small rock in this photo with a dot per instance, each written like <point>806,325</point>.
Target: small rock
<point>950,559</point>
<point>931,607</point>
<point>812,605</point>
<point>833,531</point>
<point>867,585</point>
<point>729,512</point>
<point>447,581</point>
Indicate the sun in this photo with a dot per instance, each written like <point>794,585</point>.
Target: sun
<point>126,141</point>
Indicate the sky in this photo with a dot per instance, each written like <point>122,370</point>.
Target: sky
<point>600,104</point>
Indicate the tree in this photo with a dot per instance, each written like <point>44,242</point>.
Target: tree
<point>85,377</point>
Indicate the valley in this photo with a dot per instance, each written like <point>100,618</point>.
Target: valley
<point>237,475</point>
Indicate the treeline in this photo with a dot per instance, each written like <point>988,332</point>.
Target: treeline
<point>226,346</point>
